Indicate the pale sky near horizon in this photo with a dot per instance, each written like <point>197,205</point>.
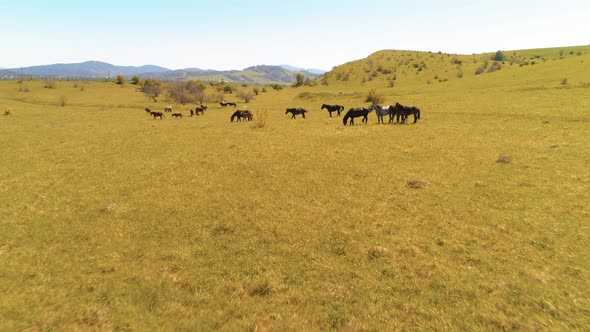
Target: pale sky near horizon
<point>232,34</point>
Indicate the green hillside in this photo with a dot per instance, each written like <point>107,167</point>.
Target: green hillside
<point>405,69</point>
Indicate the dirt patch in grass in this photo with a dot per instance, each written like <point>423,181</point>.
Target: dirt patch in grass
<point>504,159</point>
<point>417,184</point>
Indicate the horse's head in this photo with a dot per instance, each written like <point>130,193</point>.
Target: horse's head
<point>287,111</point>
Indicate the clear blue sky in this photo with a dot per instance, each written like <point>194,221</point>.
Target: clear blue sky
<point>231,34</point>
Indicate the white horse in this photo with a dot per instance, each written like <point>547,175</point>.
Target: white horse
<point>381,111</point>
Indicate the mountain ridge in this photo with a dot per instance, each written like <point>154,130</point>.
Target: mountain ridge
<point>261,74</point>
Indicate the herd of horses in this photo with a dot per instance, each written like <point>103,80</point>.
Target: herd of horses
<point>397,111</point>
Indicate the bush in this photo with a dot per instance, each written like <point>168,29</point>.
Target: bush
<point>495,66</point>
<point>479,70</point>
<point>375,97</point>
<point>135,80</point>
<point>260,119</point>
<point>120,80</point>
<point>499,56</point>
<point>62,101</point>
<point>50,85</point>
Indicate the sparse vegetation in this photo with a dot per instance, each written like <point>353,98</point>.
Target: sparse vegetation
<point>375,96</point>
<point>112,220</point>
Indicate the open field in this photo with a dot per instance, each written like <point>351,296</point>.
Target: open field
<point>112,220</point>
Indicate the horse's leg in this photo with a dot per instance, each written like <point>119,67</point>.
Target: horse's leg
<point>330,113</point>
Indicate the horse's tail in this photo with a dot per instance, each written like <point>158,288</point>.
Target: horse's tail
<point>418,113</point>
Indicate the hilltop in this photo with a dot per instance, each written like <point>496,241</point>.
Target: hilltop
<point>415,69</point>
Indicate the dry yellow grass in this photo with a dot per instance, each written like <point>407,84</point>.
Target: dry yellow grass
<point>110,219</point>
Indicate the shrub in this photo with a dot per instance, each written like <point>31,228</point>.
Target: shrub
<point>375,97</point>
<point>564,81</point>
<point>120,80</point>
<point>50,84</point>
<point>62,101</point>
<point>260,119</point>
<point>479,70</point>
<point>495,66</point>
<point>135,80</point>
<point>246,95</point>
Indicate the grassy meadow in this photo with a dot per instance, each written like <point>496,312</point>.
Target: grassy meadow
<point>112,220</point>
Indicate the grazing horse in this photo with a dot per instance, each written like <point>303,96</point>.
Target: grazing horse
<point>167,108</point>
<point>147,110</point>
<point>247,115</point>
<point>381,111</point>
<point>223,104</point>
<point>199,110</point>
<point>333,108</point>
<point>177,115</point>
<point>355,113</point>
<point>157,115</point>
<point>404,111</point>
<point>295,111</point>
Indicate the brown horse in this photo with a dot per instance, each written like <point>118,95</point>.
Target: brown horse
<point>177,115</point>
<point>247,115</point>
<point>200,110</point>
<point>157,115</point>
<point>404,111</point>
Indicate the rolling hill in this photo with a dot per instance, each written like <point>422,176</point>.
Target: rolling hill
<point>257,75</point>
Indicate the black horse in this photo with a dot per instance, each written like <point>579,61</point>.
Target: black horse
<point>295,111</point>
<point>157,115</point>
<point>224,103</point>
<point>404,111</point>
<point>237,114</point>
<point>355,113</point>
<point>147,110</point>
<point>246,115</point>
<point>333,108</point>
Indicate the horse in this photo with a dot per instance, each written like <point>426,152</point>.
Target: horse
<point>237,114</point>
<point>381,111</point>
<point>147,110</point>
<point>355,113</point>
<point>333,108</point>
<point>404,112</point>
<point>247,115</point>
<point>167,108</point>
<point>295,111</point>
<point>177,115</point>
<point>157,115</point>
<point>199,110</point>
<point>223,104</point>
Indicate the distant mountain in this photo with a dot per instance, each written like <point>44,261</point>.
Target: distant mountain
<point>310,70</point>
<point>255,75</point>
<point>90,69</point>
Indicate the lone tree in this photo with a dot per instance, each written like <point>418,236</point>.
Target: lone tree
<point>499,56</point>
<point>299,80</point>
<point>152,88</point>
